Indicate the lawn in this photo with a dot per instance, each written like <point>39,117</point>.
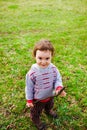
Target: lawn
<point>22,24</point>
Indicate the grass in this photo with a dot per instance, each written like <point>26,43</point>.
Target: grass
<point>22,24</point>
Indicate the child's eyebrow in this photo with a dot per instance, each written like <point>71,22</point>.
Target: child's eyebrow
<point>47,57</point>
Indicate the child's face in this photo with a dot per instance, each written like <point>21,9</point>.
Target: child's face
<point>43,58</point>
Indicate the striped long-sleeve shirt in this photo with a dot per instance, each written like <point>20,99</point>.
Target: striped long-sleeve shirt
<point>41,82</point>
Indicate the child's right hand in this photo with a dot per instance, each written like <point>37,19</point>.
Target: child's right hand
<point>29,104</point>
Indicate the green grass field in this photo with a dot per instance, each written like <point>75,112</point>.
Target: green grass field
<point>22,24</point>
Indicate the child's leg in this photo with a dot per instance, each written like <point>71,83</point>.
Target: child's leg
<point>35,113</point>
<point>48,109</point>
<point>49,105</point>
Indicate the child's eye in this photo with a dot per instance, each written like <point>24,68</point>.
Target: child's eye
<point>40,58</point>
<point>47,58</point>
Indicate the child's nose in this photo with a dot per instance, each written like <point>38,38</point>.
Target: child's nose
<point>43,61</point>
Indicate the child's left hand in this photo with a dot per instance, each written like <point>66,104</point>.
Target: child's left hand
<point>63,93</point>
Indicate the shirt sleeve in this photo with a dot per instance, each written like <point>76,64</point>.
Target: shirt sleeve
<point>58,80</point>
<point>29,89</point>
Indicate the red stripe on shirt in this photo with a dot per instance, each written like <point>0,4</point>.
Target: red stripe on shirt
<point>45,73</point>
<point>46,83</point>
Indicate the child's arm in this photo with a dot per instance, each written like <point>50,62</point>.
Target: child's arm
<point>29,91</point>
<point>59,85</point>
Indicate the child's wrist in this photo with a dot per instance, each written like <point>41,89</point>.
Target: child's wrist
<point>29,101</point>
<point>59,88</point>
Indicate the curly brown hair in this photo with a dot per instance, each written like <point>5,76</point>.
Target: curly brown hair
<point>43,45</point>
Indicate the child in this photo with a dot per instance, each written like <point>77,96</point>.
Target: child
<point>41,80</point>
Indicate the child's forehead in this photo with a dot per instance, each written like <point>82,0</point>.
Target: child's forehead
<point>43,52</point>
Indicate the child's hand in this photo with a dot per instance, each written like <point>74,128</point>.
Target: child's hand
<point>62,94</point>
<point>29,104</point>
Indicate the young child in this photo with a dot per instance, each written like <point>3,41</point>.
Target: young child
<point>41,80</point>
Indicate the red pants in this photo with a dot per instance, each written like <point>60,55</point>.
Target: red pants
<point>36,111</point>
